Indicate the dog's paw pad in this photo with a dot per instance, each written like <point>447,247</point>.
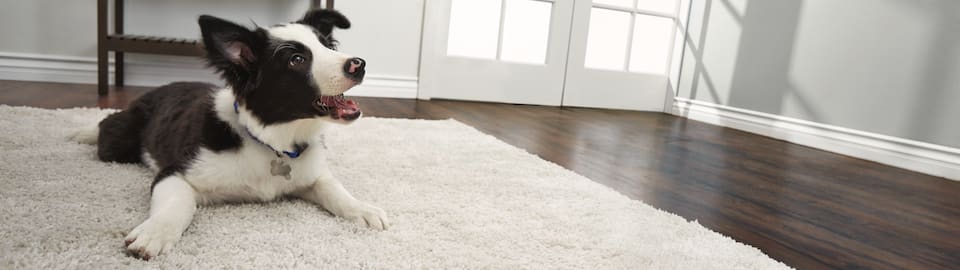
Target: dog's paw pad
<point>150,239</point>
<point>369,215</point>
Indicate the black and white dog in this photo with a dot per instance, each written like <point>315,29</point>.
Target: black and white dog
<point>257,139</point>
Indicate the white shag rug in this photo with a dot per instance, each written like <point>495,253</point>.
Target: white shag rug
<point>456,198</point>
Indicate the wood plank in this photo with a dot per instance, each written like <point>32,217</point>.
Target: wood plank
<point>142,44</point>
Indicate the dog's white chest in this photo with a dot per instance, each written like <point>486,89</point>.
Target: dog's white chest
<point>248,174</point>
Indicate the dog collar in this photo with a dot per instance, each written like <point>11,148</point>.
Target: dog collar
<point>299,148</point>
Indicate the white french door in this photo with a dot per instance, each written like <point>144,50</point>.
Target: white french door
<point>511,51</point>
<point>620,54</point>
<point>600,53</point>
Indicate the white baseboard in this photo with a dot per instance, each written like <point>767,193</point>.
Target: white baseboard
<point>386,86</point>
<point>913,155</point>
<point>162,70</point>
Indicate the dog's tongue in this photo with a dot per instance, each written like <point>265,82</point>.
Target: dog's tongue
<point>342,108</point>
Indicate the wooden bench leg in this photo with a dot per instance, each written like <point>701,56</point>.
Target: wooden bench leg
<point>102,83</point>
<point>118,64</point>
<point>118,68</point>
<point>102,72</point>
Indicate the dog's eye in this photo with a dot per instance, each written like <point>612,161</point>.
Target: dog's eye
<point>296,60</point>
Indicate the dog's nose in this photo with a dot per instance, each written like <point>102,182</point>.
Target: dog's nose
<point>354,68</point>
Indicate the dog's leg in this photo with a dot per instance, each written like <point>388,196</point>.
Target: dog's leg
<point>329,193</point>
<point>171,209</point>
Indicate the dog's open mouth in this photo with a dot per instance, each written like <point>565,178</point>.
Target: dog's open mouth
<point>338,107</point>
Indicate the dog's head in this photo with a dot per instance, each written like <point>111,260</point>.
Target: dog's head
<point>287,72</point>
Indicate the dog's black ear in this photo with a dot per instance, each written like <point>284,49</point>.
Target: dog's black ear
<point>231,50</point>
<point>324,20</point>
<point>229,45</point>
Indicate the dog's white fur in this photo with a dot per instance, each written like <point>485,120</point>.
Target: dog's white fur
<point>171,209</point>
<point>244,174</point>
<point>87,135</point>
<point>329,73</point>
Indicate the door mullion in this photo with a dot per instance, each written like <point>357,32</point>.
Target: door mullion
<point>626,59</point>
<point>503,13</point>
<point>634,10</point>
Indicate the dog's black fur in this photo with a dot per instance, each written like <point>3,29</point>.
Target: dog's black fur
<point>179,120</point>
<point>174,121</point>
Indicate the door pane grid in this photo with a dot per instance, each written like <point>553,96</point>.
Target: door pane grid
<point>505,30</point>
<point>607,39</point>
<point>474,29</point>
<point>670,15</point>
<point>646,43</point>
<point>525,31</point>
<point>652,44</point>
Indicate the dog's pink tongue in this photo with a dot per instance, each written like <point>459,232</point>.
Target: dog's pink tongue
<point>342,107</point>
<point>347,107</point>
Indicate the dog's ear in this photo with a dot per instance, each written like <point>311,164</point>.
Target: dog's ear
<point>231,51</point>
<point>324,20</point>
<point>228,45</point>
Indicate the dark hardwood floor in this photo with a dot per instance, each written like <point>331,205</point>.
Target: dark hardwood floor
<point>807,208</point>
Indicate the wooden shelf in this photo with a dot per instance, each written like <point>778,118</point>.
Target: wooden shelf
<point>154,45</point>
<point>120,43</point>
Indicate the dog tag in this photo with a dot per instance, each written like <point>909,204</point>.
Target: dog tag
<point>278,168</point>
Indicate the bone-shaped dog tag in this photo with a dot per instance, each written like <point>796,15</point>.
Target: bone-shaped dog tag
<point>278,168</point>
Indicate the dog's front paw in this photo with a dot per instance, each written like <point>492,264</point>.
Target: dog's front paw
<point>365,213</point>
<point>151,238</point>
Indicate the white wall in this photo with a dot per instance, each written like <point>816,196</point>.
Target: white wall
<point>872,79</point>
<point>56,39</point>
<point>882,66</point>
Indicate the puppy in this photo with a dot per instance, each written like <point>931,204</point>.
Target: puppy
<point>256,139</point>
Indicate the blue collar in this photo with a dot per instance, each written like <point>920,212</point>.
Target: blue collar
<point>296,152</point>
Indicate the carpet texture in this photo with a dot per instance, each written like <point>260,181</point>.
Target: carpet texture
<point>456,198</point>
